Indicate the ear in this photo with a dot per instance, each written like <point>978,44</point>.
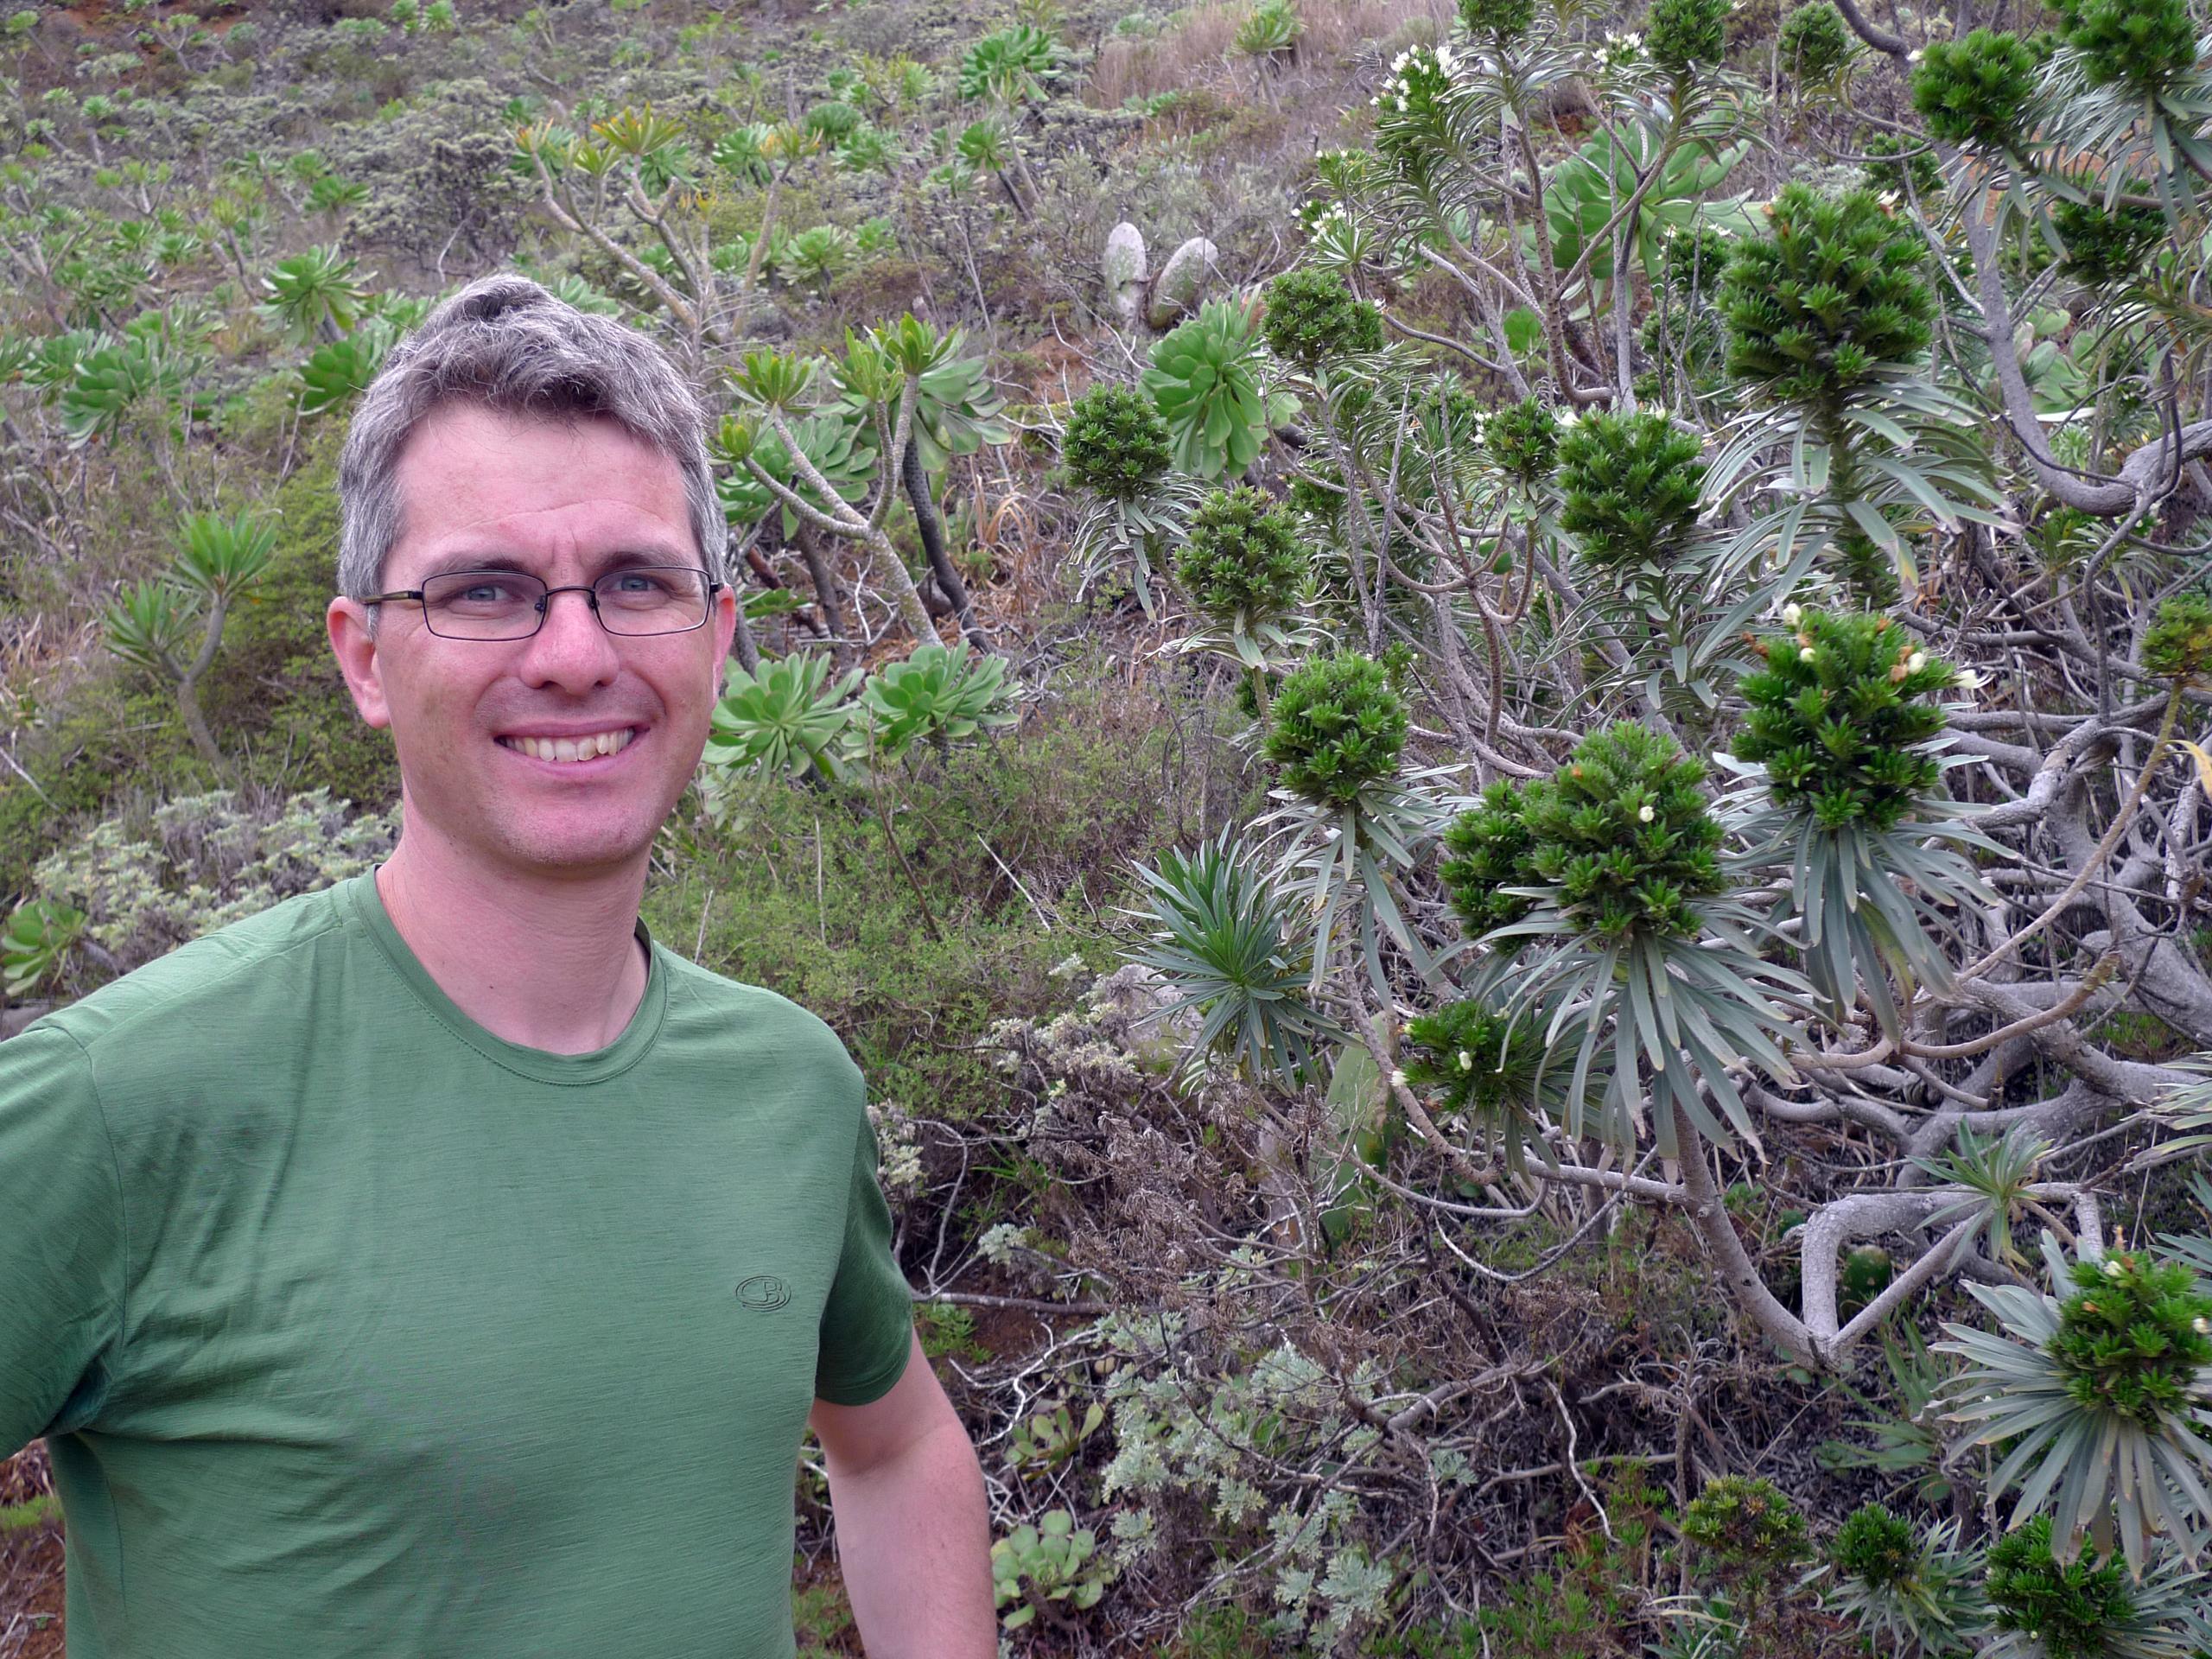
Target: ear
<point>355,648</point>
<point>725,627</point>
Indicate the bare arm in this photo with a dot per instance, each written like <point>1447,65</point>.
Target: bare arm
<point>913,1532</point>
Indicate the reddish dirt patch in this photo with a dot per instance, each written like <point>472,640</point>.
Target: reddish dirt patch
<point>30,1564</point>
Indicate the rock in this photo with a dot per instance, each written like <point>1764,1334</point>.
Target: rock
<point>1122,267</point>
<point>1182,280</point>
<point>13,1020</point>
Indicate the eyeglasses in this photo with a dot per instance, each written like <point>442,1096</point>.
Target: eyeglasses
<point>510,604</point>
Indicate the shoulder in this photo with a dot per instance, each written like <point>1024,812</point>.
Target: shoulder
<point>256,965</point>
<point>705,1006</point>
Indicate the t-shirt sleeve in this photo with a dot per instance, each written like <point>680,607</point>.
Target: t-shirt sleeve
<point>62,1245</point>
<point>868,1324</point>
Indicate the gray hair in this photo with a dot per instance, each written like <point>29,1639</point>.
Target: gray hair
<point>505,343</point>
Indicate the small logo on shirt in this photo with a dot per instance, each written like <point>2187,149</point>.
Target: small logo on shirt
<point>764,1291</point>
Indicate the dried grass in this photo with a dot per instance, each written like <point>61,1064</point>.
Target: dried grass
<point>1201,50</point>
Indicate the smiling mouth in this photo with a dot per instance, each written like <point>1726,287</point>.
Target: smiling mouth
<point>571,749</point>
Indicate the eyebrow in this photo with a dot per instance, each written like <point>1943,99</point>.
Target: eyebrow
<point>621,559</point>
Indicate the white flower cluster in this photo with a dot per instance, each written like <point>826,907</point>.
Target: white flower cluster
<point>1621,51</point>
<point>1417,75</point>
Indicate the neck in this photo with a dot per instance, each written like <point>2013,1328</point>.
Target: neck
<point>548,963</point>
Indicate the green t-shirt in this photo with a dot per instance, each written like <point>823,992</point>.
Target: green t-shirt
<point>355,1330</point>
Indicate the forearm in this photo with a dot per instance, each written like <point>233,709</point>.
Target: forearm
<point>914,1542</point>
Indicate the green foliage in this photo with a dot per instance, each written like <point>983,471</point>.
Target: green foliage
<point>938,694</point>
<point>788,719</point>
<point>148,624</point>
<point>2177,645</point>
<point>1876,1546</point>
<point>337,370</point>
<point>33,940</point>
<point>1223,939</point>
<point>1745,1529</point>
<point>1271,27</point>
<point>2131,1340</point>
<point>1624,835</point>
<point>1471,1055</point>
<point>1498,20</point>
<point>1523,441</point>
<point>1489,848</point>
<point>1411,122</point>
<point>1204,381</point>
<point>2068,1608</point>
<point>2106,247</point>
<point>1972,91</point>
<point>314,293</point>
<point>1839,716</point>
<point>1052,1562</point>
<point>1826,300</point>
<point>1015,65</point>
<point>221,557</point>
<point>2101,1424</point>
<point>840,448</point>
<point>1681,35</point>
<point>1312,318</point>
<point>1814,41</point>
<point>1906,1593</point>
<point>1116,445</point>
<point>2145,45</point>
<point>1243,561</point>
<point>1629,487</point>
<point>1338,727</point>
<point>1914,171</point>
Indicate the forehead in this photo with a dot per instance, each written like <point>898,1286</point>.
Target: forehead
<point>479,480</point>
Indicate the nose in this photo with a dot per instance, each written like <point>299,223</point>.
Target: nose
<point>571,651</point>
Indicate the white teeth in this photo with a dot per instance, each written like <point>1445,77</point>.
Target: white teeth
<point>572,749</point>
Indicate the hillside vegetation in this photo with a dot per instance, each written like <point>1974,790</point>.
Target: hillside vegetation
<point>1493,723</point>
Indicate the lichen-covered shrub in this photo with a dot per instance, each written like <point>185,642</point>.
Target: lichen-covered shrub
<point>203,861</point>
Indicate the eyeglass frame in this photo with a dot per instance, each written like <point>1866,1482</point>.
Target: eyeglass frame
<point>543,603</point>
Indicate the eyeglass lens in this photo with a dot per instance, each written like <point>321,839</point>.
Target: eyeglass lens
<point>509,605</point>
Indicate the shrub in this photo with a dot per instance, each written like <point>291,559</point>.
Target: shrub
<point>1826,300</point>
<point>1244,559</point>
<point>2132,1338</point>
<point>1746,1529</point>
<point>1814,40</point>
<point>1629,486</point>
<point>2146,44</point>
<point>2102,247</point>
<point>1488,846</point>
<point>2177,645</point>
<point>1972,91</point>
<point>1876,1546</point>
<point>1838,715</point>
<point>1624,834</point>
<point>1682,33</point>
<point>2067,1608</point>
<point>1338,727</point>
<point>1523,441</point>
<point>1312,317</point>
<point>1116,445</point>
<point>1498,20</point>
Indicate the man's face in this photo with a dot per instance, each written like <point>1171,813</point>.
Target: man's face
<point>484,490</point>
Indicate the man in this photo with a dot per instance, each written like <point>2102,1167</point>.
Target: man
<point>435,1266</point>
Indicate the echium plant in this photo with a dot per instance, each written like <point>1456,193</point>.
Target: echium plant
<point>1248,572</point>
<point>1116,448</point>
<point>1470,1057</point>
<point>1350,815</point>
<point>1629,487</point>
<point>1829,318</point>
<point>2046,1605</point>
<point>2104,1401</point>
<point>1651,965</point>
<point>1842,713</point>
<point>1906,1592</point>
<point>1313,316</point>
